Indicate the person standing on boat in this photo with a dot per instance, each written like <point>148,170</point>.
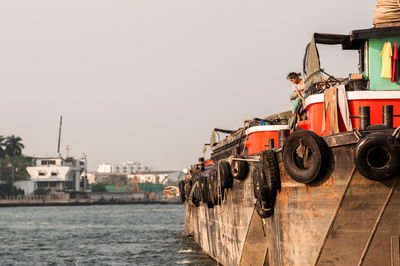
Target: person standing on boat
<point>298,89</point>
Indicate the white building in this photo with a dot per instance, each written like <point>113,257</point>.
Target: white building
<point>125,168</point>
<point>58,174</point>
<point>154,177</point>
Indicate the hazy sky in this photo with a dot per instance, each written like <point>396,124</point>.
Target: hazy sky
<point>148,80</point>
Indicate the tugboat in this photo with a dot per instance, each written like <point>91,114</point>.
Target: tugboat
<point>321,190</point>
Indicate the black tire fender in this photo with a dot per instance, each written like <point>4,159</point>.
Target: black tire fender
<point>239,169</point>
<point>188,188</point>
<point>376,156</point>
<point>194,194</point>
<point>182,190</point>
<point>262,191</point>
<point>271,168</point>
<point>224,173</point>
<point>305,144</point>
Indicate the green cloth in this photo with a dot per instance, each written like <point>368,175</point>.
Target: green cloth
<point>296,103</point>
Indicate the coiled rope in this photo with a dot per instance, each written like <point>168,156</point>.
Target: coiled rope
<point>387,11</point>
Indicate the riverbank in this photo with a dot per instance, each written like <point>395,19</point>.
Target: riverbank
<point>24,203</point>
<point>86,198</point>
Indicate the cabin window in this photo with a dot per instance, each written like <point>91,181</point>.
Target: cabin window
<point>54,173</point>
<point>42,173</point>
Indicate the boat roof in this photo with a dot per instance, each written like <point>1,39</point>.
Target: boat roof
<point>356,38</point>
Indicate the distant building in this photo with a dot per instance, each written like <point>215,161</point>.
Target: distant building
<point>58,174</point>
<point>125,168</point>
<point>153,177</point>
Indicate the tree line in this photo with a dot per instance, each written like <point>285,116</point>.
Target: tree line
<point>12,164</point>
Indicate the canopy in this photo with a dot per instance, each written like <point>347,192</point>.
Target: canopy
<point>311,63</point>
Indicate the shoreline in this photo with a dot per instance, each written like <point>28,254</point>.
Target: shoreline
<point>78,203</point>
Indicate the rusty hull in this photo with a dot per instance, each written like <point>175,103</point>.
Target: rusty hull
<point>343,219</point>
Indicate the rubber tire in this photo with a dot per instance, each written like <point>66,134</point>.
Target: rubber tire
<point>206,193</point>
<point>213,188</point>
<point>387,144</point>
<point>262,191</point>
<point>319,159</point>
<point>210,193</point>
<point>239,169</point>
<point>271,168</point>
<point>182,190</point>
<point>197,195</point>
<point>224,172</point>
<point>188,188</point>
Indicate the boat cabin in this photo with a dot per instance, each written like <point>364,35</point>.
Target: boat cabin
<point>372,98</point>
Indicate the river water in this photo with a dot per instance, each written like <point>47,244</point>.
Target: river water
<point>97,235</point>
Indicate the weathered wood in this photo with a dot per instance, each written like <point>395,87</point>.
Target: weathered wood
<point>255,246</point>
<point>336,220</point>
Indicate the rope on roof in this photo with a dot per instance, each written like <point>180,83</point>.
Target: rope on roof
<point>387,11</point>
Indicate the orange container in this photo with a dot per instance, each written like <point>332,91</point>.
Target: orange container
<point>258,137</point>
<point>374,99</point>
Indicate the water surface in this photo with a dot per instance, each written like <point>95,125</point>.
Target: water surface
<point>97,235</point>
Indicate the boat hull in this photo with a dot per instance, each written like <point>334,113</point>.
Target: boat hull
<point>343,218</point>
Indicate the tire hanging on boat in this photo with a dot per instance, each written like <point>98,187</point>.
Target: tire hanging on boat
<point>377,156</point>
<point>271,168</point>
<point>194,194</point>
<point>182,190</point>
<point>209,194</point>
<point>305,156</point>
<point>205,193</point>
<point>224,173</point>
<point>262,192</point>
<point>239,169</point>
<point>216,189</point>
<point>188,188</point>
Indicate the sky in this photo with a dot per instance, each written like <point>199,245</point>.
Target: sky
<point>147,80</point>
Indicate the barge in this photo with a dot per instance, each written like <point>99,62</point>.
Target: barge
<point>320,190</point>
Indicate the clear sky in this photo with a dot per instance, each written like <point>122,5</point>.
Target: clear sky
<point>147,80</point>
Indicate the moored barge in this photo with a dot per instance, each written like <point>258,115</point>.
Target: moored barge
<point>321,190</point>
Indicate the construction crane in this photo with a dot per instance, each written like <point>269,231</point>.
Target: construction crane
<point>134,188</point>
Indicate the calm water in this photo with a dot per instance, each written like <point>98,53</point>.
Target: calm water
<point>97,235</point>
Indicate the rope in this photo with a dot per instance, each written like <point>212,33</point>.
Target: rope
<point>396,132</point>
<point>387,11</point>
<point>357,134</point>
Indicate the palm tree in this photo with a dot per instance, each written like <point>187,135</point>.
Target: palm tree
<point>13,148</point>
<point>2,151</point>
